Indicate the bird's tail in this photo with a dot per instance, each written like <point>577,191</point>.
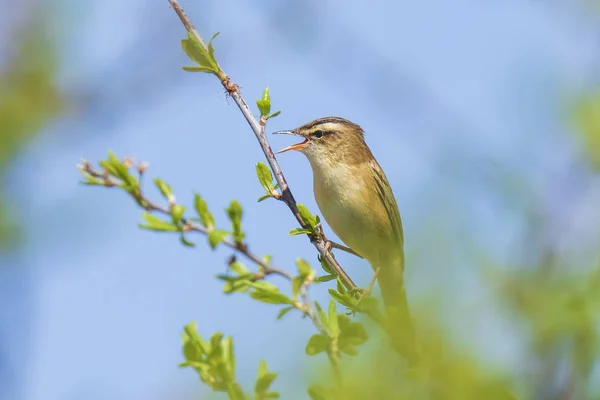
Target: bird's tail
<point>399,322</point>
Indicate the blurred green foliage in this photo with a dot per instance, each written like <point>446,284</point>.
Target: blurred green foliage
<point>28,100</point>
<point>587,118</point>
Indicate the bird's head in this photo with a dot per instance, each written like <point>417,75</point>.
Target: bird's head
<point>330,140</point>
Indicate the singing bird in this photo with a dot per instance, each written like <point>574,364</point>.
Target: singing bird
<point>357,202</point>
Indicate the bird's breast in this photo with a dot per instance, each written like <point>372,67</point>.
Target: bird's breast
<point>345,196</point>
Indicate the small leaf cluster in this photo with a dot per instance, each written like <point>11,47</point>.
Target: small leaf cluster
<point>321,393</point>
<point>214,361</point>
<point>243,280</point>
<point>353,302</point>
<point>312,221</point>
<point>201,55</point>
<point>264,106</point>
<point>263,383</point>
<point>112,168</point>
<point>216,235</point>
<point>342,335</point>
<point>305,276</point>
<point>265,178</point>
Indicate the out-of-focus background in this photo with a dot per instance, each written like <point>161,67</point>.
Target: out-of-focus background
<point>484,115</point>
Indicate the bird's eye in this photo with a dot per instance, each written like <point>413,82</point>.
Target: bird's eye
<point>318,134</point>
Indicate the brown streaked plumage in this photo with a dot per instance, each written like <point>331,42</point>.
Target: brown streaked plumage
<point>357,202</point>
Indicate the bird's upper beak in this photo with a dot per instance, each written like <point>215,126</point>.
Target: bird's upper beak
<point>297,146</point>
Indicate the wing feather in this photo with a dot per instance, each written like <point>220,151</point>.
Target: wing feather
<point>386,196</point>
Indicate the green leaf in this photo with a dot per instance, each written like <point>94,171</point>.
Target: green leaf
<point>587,119</point>
<point>235,392</point>
<point>191,352</point>
<point>307,216</point>
<point>206,218</point>
<point>262,368</point>
<point>340,287</point>
<point>325,266</point>
<point>352,333</point>
<point>186,242</point>
<point>332,320</point>
<point>300,231</point>
<point>194,347</point>
<point>266,96</point>
<point>262,107</point>
<point>225,277</point>
<point>317,343</point>
<point>114,161</point>
<point>297,283</point>
<point>265,177</point>
<point>271,297</point>
<point>283,312</point>
<point>109,167</point>
<point>154,223</point>
<point>326,278</point>
<point>198,68</point>
<point>366,305</point>
<point>191,332</point>
<point>262,285</point>
<point>271,395</point>
<point>164,188</point>
<point>118,169</point>
<point>321,314</point>
<point>215,340</point>
<point>199,54</point>
<point>90,180</point>
<point>211,50</point>
<point>216,236</point>
<point>264,379</point>
<point>303,267</point>
<point>229,356</point>
<point>236,286</point>
<point>261,198</point>
<point>235,215</point>
<point>276,113</point>
<point>344,299</point>
<point>177,212</point>
<point>348,349</point>
<point>319,393</point>
<point>195,50</point>
<point>238,268</point>
<point>262,384</point>
<point>264,104</point>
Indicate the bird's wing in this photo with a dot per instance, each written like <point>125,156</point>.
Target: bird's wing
<point>386,196</point>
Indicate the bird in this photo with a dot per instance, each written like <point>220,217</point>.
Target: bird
<point>357,201</point>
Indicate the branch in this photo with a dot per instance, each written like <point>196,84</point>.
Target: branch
<point>305,307</point>
<point>259,131</point>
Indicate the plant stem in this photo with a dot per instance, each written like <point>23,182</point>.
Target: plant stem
<point>259,131</point>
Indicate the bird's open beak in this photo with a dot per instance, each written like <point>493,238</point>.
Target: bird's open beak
<point>297,146</point>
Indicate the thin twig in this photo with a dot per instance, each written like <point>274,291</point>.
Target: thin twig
<point>258,129</point>
<point>240,248</point>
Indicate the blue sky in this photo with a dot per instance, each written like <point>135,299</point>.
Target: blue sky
<point>99,304</point>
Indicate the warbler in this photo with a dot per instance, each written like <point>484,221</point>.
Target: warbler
<point>355,198</point>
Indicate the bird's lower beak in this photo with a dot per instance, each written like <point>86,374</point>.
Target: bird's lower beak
<point>297,146</point>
